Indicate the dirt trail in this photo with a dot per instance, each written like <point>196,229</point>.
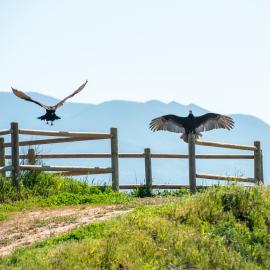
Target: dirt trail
<point>26,228</point>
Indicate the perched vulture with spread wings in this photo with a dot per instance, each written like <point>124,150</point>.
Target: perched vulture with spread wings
<point>191,123</point>
<point>50,110</point>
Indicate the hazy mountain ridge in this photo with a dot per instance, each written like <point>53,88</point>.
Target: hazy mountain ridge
<point>132,120</point>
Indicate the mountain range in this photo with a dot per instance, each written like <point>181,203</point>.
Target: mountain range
<point>132,120</point>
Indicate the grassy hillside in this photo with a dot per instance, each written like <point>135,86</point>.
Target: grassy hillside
<point>222,228</point>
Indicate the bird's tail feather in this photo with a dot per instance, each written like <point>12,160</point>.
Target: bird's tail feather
<point>42,117</point>
<point>45,117</point>
<point>184,136</point>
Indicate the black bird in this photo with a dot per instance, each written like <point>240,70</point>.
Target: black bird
<point>191,123</point>
<point>50,110</point>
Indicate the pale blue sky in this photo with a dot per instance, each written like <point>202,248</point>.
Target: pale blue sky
<point>212,53</point>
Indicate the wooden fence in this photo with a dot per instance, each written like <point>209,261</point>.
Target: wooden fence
<point>62,137</point>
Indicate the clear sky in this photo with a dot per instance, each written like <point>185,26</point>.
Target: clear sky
<point>213,53</point>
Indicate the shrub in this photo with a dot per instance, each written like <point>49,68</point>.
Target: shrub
<point>142,191</point>
<point>45,189</point>
<point>8,192</point>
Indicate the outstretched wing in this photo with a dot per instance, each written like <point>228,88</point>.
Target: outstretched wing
<point>211,121</point>
<point>22,95</point>
<point>168,122</point>
<point>59,104</point>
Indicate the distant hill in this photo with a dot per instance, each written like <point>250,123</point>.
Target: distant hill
<point>132,120</point>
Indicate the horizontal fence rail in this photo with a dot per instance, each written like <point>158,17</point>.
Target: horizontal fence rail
<point>64,137</point>
<point>65,134</point>
<point>5,168</point>
<point>51,141</point>
<point>226,145</point>
<point>4,132</point>
<point>164,186</point>
<point>130,155</point>
<point>48,168</point>
<point>226,178</point>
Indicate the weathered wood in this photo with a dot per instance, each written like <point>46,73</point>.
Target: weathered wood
<point>262,177</point>
<point>65,134</point>
<point>115,162</point>
<point>226,178</point>
<point>167,186</point>
<point>160,186</point>
<point>15,155</point>
<point>6,168</point>
<point>53,156</point>
<point>72,173</point>
<point>2,155</point>
<point>77,155</point>
<point>257,162</point>
<point>31,156</point>
<point>51,141</point>
<point>202,156</point>
<point>4,132</point>
<point>48,168</point>
<point>226,145</point>
<point>132,155</point>
<point>148,169</point>
<point>192,163</point>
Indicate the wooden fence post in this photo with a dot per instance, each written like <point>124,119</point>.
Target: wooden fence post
<point>148,169</point>
<point>2,155</point>
<point>262,178</point>
<point>258,162</point>
<point>31,156</point>
<point>15,155</point>
<point>192,163</point>
<point>115,162</point>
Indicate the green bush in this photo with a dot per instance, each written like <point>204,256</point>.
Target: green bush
<point>39,189</point>
<point>142,191</point>
<point>45,184</point>
<point>7,191</point>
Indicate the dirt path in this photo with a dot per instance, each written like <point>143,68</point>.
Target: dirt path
<point>25,228</point>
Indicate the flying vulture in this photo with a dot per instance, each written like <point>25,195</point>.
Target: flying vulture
<point>50,110</point>
<point>191,123</point>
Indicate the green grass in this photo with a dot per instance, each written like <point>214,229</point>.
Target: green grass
<point>142,191</point>
<point>222,228</point>
<point>39,189</point>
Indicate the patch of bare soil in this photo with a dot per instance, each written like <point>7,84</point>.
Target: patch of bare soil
<point>25,228</point>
